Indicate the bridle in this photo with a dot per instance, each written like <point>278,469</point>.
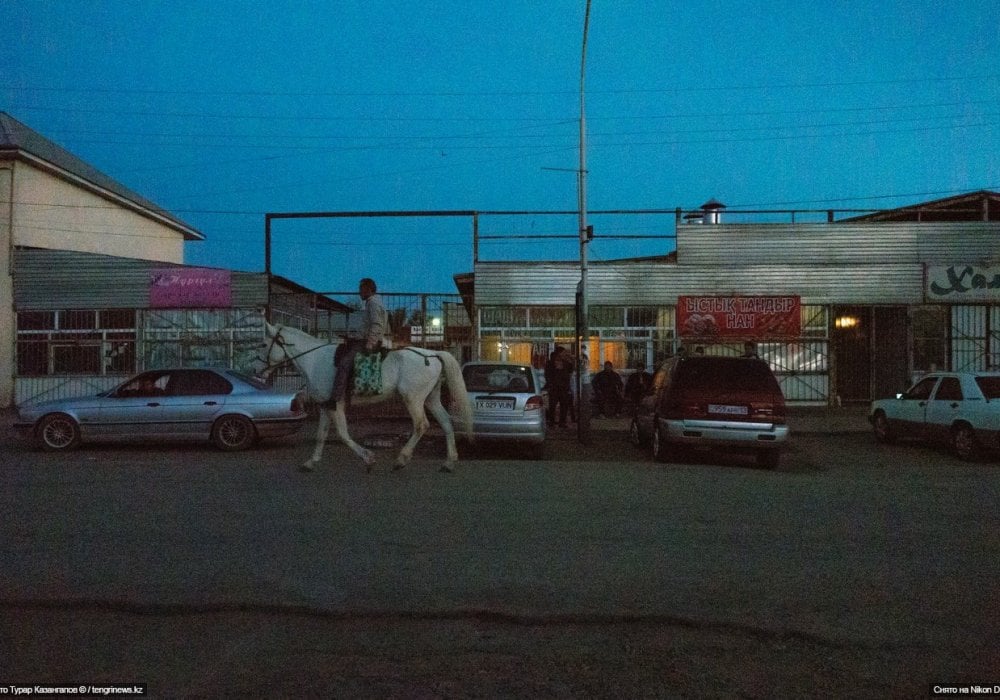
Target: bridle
<point>276,339</point>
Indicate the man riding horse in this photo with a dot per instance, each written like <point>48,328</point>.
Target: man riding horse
<point>374,325</point>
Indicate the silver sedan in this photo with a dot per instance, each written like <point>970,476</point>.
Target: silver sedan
<point>229,408</point>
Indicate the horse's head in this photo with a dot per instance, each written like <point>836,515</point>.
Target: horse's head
<point>277,348</point>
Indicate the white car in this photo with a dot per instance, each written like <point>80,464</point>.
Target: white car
<point>507,404</point>
<point>958,408</point>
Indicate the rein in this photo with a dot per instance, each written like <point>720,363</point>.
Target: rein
<point>275,340</point>
<point>427,358</point>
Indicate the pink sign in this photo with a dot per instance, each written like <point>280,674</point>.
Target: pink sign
<point>756,317</point>
<point>184,287</point>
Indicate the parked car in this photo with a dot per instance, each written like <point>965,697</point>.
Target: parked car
<point>733,403</point>
<point>227,407</point>
<point>957,408</point>
<point>507,404</point>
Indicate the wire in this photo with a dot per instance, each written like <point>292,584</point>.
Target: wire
<point>494,93</point>
<point>632,116</point>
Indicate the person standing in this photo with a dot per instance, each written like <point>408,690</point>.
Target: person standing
<point>374,324</point>
<point>608,391</point>
<point>558,370</point>
<point>638,385</point>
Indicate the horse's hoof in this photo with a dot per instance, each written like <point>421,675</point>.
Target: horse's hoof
<point>445,469</point>
<point>397,466</point>
<point>307,467</point>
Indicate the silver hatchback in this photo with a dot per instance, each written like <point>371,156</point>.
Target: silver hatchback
<point>507,404</point>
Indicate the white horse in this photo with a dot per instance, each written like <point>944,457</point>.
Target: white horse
<point>414,373</point>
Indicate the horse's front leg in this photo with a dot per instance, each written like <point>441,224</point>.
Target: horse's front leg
<point>322,430</point>
<point>340,423</point>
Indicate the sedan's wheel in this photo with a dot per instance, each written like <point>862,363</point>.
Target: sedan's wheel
<point>58,432</point>
<point>232,433</point>
<point>634,436</point>
<point>880,424</point>
<point>660,451</point>
<point>963,441</point>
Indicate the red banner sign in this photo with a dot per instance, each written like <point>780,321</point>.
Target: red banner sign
<point>742,317</point>
<point>187,287</point>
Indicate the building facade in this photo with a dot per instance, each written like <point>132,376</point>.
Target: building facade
<point>880,299</point>
<point>52,200</point>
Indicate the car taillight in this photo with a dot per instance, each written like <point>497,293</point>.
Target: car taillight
<point>679,410</point>
<point>774,413</point>
<point>534,404</point>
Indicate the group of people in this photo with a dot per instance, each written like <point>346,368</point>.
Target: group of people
<point>609,392</point>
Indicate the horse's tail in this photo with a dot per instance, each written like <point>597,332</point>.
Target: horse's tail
<point>456,387</point>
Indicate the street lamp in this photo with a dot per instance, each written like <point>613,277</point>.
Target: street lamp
<point>583,388</point>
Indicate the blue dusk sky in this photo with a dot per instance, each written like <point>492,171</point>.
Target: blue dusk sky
<point>222,111</point>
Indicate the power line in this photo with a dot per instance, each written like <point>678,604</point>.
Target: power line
<point>509,134</point>
<point>632,116</point>
<point>491,93</point>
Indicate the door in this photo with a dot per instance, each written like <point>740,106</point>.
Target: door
<point>135,409</point>
<point>195,397</point>
<point>944,407</point>
<point>890,370</point>
<point>851,337</point>
<point>909,416</point>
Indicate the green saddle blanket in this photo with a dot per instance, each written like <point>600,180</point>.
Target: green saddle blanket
<point>368,373</point>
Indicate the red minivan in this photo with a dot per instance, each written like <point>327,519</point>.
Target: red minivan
<point>708,401</point>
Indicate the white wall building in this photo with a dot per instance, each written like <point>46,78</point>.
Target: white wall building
<point>50,199</point>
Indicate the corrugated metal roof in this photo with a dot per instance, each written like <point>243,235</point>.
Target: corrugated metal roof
<point>17,139</point>
<point>983,205</point>
<point>837,244</point>
<point>646,283</point>
<point>62,279</point>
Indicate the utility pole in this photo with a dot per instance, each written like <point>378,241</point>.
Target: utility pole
<point>582,387</point>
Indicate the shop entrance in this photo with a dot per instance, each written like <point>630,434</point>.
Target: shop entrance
<point>852,352</point>
<point>890,350</point>
<point>870,351</point>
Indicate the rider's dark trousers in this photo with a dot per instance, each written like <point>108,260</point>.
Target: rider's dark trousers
<point>344,366</point>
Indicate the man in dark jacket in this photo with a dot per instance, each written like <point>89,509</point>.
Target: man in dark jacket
<point>558,371</point>
<point>608,391</point>
<point>638,385</point>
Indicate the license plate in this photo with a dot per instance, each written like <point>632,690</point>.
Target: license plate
<point>495,404</point>
<point>728,410</point>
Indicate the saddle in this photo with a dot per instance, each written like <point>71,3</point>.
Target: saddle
<point>366,374</point>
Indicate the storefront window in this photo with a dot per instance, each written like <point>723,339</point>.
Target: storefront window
<point>640,316</point>
<point>502,316</point>
<point>490,347</point>
<point>607,316</point>
<point>552,317</point>
<point>814,321</point>
<point>929,326</point>
<point>75,341</point>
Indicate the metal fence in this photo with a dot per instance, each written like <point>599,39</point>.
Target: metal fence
<point>75,352</point>
<point>433,321</point>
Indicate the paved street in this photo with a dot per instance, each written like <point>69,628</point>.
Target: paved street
<point>855,569</point>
